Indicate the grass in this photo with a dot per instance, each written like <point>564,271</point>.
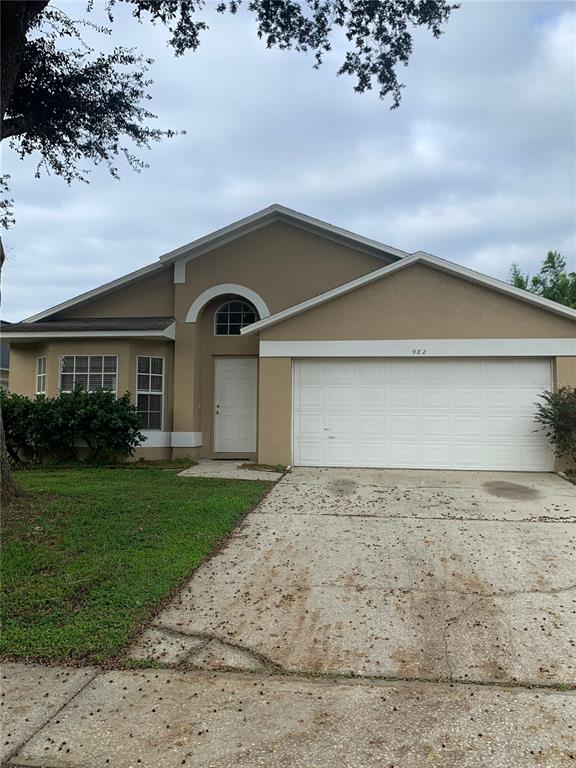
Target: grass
<point>281,468</point>
<point>89,554</point>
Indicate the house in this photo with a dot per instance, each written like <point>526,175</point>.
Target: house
<point>4,360</point>
<point>293,341</point>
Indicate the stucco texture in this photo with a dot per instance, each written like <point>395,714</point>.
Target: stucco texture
<point>421,302</point>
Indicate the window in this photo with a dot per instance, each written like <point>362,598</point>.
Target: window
<point>232,316</point>
<point>88,371</point>
<point>40,375</point>
<point>150,391</point>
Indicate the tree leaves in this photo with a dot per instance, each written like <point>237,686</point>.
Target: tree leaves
<point>553,282</point>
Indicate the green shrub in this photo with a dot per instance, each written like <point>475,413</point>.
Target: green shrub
<point>17,418</point>
<point>557,415</point>
<point>53,428</point>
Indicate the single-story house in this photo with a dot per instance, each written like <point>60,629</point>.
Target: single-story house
<point>292,341</point>
<point>4,360</point>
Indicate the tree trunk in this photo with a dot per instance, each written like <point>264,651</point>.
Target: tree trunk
<point>16,18</point>
<point>9,489</point>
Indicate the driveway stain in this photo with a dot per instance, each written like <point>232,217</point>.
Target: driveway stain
<point>514,491</point>
<point>341,487</point>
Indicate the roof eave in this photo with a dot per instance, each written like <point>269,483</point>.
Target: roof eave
<point>29,336</point>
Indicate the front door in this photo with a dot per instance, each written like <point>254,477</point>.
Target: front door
<point>235,405</point>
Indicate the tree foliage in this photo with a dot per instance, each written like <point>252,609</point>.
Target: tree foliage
<point>553,281</point>
<point>67,104</point>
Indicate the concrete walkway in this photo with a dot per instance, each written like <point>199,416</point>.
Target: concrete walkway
<point>170,718</point>
<point>444,595</point>
<point>230,470</point>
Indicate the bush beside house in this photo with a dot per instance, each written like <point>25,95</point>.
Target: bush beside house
<point>55,428</point>
<point>557,415</point>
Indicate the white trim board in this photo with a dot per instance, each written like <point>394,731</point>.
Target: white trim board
<point>222,289</point>
<point>167,333</point>
<point>422,348</point>
<point>156,438</point>
<point>416,258</point>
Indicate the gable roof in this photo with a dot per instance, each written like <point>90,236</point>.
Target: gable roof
<point>185,253</point>
<point>270,215</point>
<point>420,257</point>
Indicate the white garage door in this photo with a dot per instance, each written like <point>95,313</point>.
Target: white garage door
<point>438,413</point>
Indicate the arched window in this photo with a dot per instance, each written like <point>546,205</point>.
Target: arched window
<point>232,316</point>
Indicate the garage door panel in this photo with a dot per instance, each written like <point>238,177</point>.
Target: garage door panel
<point>467,398</point>
<point>370,397</point>
<point>464,425</point>
<point>499,397</point>
<point>310,397</point>
<point>371,424</point>
<point>526,397</point>
<point>434,397</point>
<point>435,426</point>
<point>339,397</point>
<point>307,424</point>
<point>469,414</point>
<point>402,397</point>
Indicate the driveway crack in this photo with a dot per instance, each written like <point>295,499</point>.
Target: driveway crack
<point>258,657</point>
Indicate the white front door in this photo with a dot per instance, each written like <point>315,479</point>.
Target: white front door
<point>235,405</point>
<point>430,413</point>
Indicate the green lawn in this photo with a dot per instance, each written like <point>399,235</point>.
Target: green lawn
<point>88,554</point>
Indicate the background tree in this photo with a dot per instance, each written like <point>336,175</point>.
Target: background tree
<point>68,104</point>
<point>553,281</point>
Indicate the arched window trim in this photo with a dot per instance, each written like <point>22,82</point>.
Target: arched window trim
<point>240,300</point>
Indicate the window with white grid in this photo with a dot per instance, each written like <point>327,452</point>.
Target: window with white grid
<point>232,316</point>
<point>150,391</point>
<point>41,376</point>
<point>88,371</point>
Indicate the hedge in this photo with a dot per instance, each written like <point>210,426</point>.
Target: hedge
<point>54,427</point>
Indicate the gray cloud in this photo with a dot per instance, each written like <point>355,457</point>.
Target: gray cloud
<point>476,166</point>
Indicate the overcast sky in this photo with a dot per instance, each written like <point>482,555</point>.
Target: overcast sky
<point>476,166</point>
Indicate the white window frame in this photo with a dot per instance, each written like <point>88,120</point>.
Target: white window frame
<point>41,374</point>
<point>115,390</point>
<point>152,392</point>
<point>242,300</point>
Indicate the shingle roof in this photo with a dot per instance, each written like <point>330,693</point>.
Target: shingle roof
<point>91,324</point>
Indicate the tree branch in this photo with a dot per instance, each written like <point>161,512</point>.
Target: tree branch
<point>13,126</point>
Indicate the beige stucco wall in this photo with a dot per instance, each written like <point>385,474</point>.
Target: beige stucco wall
<point>275,410</point>
<point>420,302</point>
<point>564,376</point>
<point>22,375</point>
<point>565,372</point>
<point>282,263</point>
<point>151,296</point>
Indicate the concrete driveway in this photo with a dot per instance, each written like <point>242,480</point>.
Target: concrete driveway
<point>417,575</point>
<point>438,589</point>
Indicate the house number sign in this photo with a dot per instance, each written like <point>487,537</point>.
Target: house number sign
<point>421,351</point>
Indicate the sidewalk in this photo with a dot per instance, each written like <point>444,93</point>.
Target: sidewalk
<point>157,718</point>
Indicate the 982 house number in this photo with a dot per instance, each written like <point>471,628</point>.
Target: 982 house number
<point>419,351</point>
